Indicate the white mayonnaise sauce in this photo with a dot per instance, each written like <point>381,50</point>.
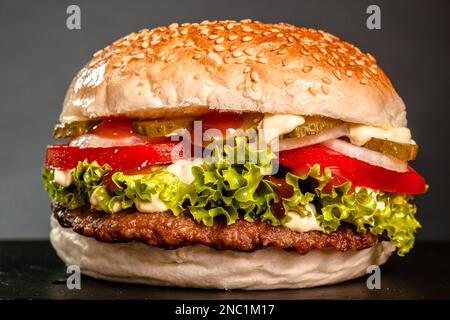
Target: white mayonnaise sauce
<point>275,125</point>
<point>183,169</point>
<point>63,177</point>
<point>155,205</point>
<point>306,223</point>
<point>360,134</point>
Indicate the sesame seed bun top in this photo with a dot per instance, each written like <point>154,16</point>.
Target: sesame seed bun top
<point>233,66</point>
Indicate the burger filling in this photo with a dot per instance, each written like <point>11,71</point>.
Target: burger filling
<point>250,181</point>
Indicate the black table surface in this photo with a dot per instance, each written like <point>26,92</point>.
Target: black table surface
<point>31,270</point>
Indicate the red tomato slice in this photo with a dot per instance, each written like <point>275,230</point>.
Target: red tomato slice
<point>123,157</point>
<point>358,172</point>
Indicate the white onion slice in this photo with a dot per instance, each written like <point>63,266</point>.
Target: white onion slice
<point>366,155</point>
<point>94,141</point>
<point>294,143</point>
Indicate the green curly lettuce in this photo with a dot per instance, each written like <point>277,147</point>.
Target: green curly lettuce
<point>86,176</point>
<point>388,215</point>
<point>233,190</point>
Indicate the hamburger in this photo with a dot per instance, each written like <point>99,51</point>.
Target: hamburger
<point>232,155</point>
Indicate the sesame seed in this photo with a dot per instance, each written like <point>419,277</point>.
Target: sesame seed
<point>170,58</point>
<point>144,44</point>
<point>230,26</point>
<point>254,76</point>
<point>326,80</point>
<point>262,60</point>
<point>274,30</point>
<point>275,47</point>
<point>249,51</point>
<point>349,73</point>
<point>282,51</point>
<point>184,31</point>
<point>280,35</point>
<point>246,29</point>
<point>247,69</point>
<point>316,56</point>
<point>364,81</point>
<point>288,81</point>
<point>314,91</point>
<point>154,42</point>
<point>219,48</point>
<point>325,89</point>
<point>246,20</point>
<point>266,33</point>
<point>247,38</point>
<point>197,56</point>
<point>337,74</point>
<point>284,63</point>
<point>233,47</point>
<point>117,64</point>
<point>213,36</point>
<point>306,53</point>
<point>366,74</point>
<point>173,25</point>
<point>371,58</point>
<point>307,69</point>
<point>209,68</point>
<point>133,36</point>
<point>331,62</point>
<point>99,52</point>
<point>220,40</point>
<point>232,37</point>
<point>237,53</point>
<point>260,55</point>
<point>139,56</point>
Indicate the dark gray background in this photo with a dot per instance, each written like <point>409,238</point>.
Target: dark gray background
<point>39,57</point>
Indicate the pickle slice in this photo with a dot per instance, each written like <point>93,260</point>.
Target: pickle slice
<point>313,125</point>
<point>73,129</point>
<point>402,151</point>
<point>162,127</point>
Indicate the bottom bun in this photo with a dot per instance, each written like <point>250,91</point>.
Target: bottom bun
<point>198,266</point>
